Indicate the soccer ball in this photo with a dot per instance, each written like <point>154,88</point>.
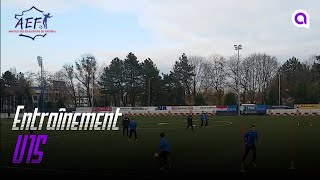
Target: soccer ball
<point>156,155</point>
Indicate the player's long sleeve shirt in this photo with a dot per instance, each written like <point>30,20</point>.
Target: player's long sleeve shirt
<point>202,117</point>
<point>133,125</point>
<point>250,138</point>
<point>189,120</point>
<point>164,145</point>
<point>125,122</point>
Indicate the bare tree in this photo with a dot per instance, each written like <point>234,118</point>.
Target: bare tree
<point>249,80</point>
<point>218,75</point>
<point>206,82</point>
<point>67,75</point>
<point>198,63</point>
<point>232,73</point>
<point>32,77</point>
<point>268,69</point>
<point>86,68</point>
<point>256,73</point>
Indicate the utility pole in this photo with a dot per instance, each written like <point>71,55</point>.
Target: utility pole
<point>149,91</point>
<point>92,76</point>
<point>279,96</point>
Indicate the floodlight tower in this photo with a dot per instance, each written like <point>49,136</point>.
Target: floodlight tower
<point>42,96</point>
<point>238,48</point>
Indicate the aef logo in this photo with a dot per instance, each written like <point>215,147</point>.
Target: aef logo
<point>32,23</point>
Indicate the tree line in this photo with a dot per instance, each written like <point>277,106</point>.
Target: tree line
<point>193,80</point>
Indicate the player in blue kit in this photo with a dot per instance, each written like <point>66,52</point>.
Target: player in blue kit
<point>202,118</point>
<point>133,129</point>
<point>164,152</point>
<point>250,139</point>
<point>206,118</point>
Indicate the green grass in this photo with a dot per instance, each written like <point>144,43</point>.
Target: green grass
<point>216,148</point>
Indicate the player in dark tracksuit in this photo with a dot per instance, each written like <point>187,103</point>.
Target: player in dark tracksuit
<point>133,129</point>
<point>125,125</point>
<point>250,139</point>
<point>206,118</point>
<point>189,122</point>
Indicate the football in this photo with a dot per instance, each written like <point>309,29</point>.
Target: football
<point>156,155</point>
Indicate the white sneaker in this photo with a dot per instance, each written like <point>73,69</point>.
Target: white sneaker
<point>253,164</point>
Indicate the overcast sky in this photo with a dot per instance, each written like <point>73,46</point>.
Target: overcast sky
<point>159,29</point>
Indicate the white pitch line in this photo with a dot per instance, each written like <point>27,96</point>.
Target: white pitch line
<point>142,127</point>
<point>228,123</point>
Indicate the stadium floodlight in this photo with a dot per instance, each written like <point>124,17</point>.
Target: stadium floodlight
<point>238,48</point>
<point>39,61</point>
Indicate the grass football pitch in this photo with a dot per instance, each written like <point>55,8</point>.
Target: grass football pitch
<point>216,149</point>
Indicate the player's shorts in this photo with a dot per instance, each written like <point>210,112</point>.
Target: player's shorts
<point>164,155</point>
